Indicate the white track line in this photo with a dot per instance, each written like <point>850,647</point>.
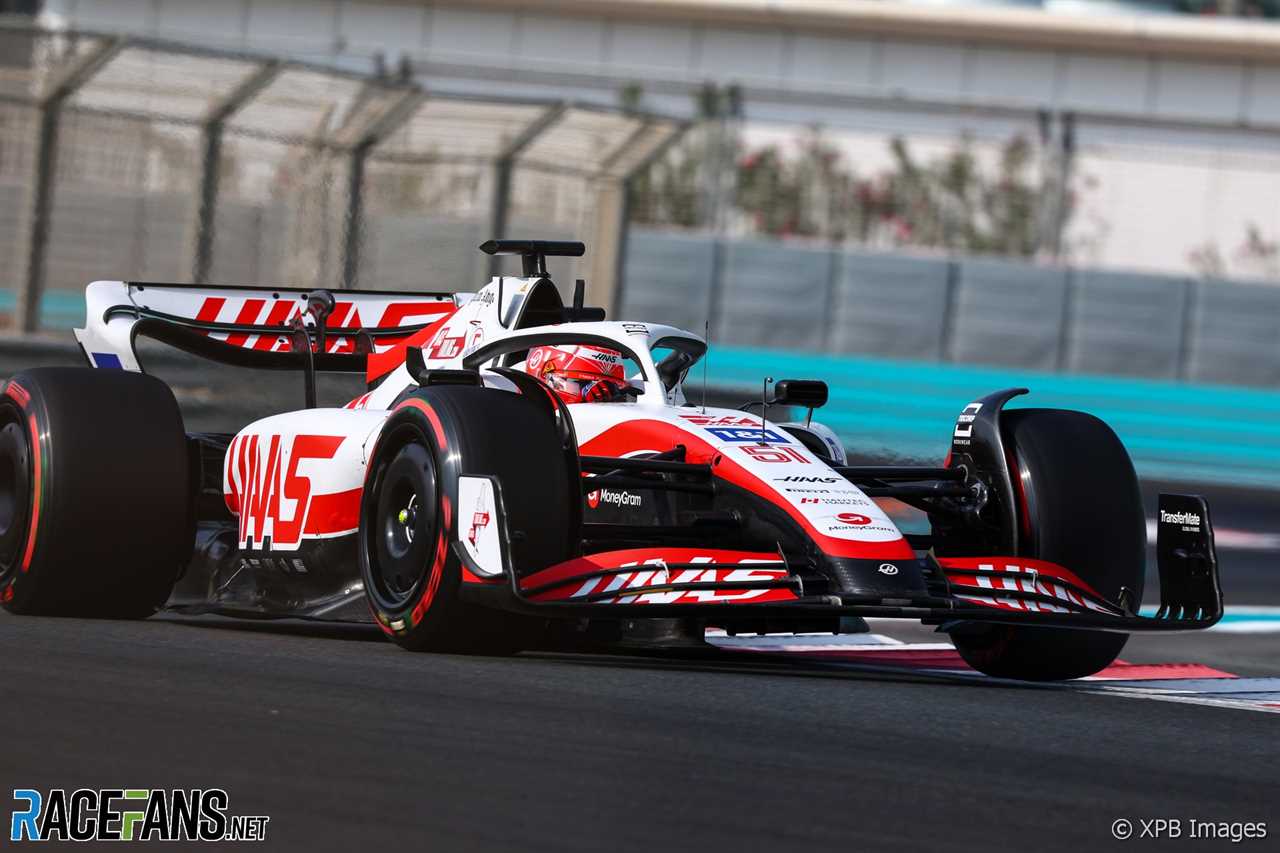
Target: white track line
<point>1249,694</point>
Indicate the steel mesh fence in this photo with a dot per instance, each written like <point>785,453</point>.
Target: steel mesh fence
<point>136,159</point>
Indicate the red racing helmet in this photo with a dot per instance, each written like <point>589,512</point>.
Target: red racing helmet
<point>579,373</point>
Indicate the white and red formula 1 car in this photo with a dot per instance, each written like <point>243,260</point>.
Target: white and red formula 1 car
<point>465,505</point>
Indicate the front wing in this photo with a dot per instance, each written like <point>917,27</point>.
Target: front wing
<point>662,582</point>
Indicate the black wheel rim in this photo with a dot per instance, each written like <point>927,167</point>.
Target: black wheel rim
<point>15,493</point>
<point>403,529</point>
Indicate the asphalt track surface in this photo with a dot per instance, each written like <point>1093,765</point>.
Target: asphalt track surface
<point>347,742</point>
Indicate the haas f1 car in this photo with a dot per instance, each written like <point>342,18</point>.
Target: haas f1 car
<point>520,469</point>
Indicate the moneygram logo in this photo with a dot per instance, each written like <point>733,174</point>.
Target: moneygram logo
<point>609,496</point>
<point>130,814</point>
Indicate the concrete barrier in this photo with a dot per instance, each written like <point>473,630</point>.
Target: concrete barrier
<point>781,295</point>
<point>1123,323</point>
<point>890,305</point>
<point>1008,313</point>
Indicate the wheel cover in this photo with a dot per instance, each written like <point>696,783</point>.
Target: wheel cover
<point>403,527</point>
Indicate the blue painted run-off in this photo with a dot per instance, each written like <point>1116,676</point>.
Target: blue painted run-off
<point>59,309</point>
<point>1174,430</point>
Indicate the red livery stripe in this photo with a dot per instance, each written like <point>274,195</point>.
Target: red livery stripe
<point>436,426</point>
<point>210,308</point>
<point>248,314</point>
<point>335,513</point>
<point>381,363</point>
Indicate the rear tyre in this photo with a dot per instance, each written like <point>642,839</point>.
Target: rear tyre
<point>410,514</point>
<point>95,497</point>
<point>1080,507</point>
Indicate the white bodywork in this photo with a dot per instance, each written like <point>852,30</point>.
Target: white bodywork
<point>283,470</point>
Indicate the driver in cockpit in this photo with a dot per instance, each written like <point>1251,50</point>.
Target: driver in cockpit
<point>580,373</point>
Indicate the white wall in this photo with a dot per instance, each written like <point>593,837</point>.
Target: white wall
<point>782,63</point>
<point>1156,209</point>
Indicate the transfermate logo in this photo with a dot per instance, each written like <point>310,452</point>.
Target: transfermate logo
<point>130,814</point>
<point>1189,519</point>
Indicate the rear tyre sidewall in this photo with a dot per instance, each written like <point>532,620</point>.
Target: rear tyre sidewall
<point>1079,507</point>
<point>15,507</point>
<point>15,488</point>
<point>95,502</point>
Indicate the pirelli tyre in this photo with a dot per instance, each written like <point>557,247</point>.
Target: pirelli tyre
<point>1078,506</point>
<point>410,513</point>
<point>95,496</point>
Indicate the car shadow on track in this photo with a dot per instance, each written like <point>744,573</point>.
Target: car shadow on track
<point>695,659</point>
<point>361,632</point>
<point>740,663</point>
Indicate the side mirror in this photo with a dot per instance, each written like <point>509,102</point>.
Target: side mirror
<point>809,393</point>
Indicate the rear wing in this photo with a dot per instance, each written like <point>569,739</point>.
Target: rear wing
<point>253,326</point>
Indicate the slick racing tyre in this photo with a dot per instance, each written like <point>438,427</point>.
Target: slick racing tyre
<point>1078,506</point>
<point>95,502</point>
<point>410,514</point>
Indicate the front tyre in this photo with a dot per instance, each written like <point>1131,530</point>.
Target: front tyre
<point>95,497</point>
<point>1078,506</point>
<point>410,514</point>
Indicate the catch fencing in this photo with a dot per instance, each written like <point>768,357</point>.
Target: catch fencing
<point>131,158</point>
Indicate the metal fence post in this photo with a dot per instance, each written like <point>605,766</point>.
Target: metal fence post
<point>353,218</point>
<point>618,291</point>
<point>624,227</point>
<point>607,243</point>
<point>604,240</point>
<point>715,296</point>
<point>947,343</point>
<point>35,232</point>
<point>836,260</point>
<point>1065,171</point>
<point>211,162</point>
<point>1186,346</point>
<point>1066,341</point>
<point>503,167</point>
